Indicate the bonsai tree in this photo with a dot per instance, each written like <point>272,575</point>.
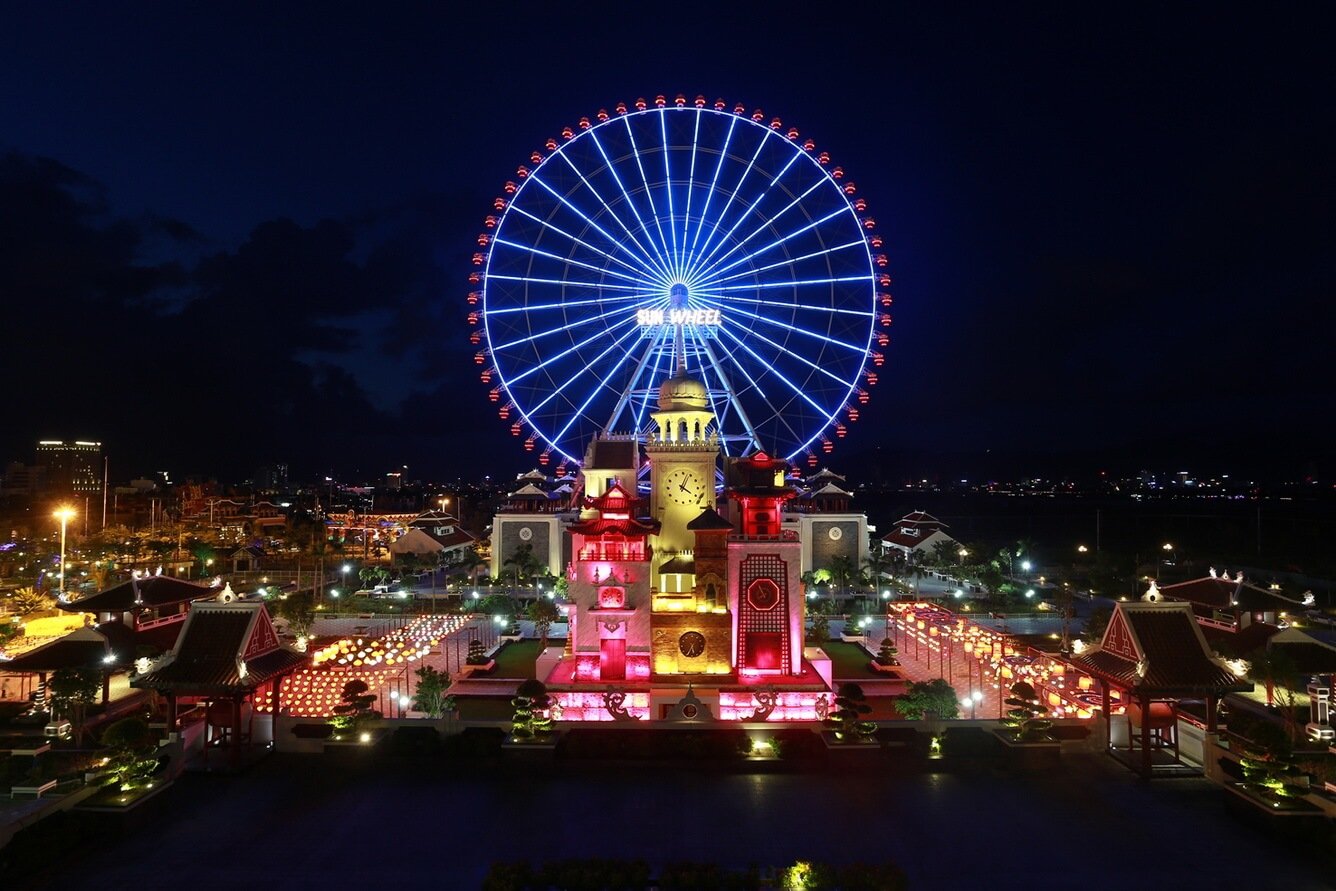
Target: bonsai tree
<point>477,655</point>
<point>1026,718</point>
<point>924,698</point>
<point>888,652</point>
<point>531,703</point>
<point>431,698</point>
<point>847,710</point>
<point>132,755</point>
<point>72,690</point>
<point>354,712</point>
<point>542,612</point>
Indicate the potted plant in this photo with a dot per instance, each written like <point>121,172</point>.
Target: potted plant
<point>846,719</point>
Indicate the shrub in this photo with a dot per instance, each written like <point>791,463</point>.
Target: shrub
<point>1026,715</point>
<point>531,703</point>
<point>846,713</point>
<point>924,697</point>
<point>477,655</point>
<point>888,653</point>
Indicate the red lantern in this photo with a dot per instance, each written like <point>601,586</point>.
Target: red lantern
<point>528,444</point>
<point>827,446</point>
<point>495,395</point>
<point>864,396</point>
<point>840,430</point>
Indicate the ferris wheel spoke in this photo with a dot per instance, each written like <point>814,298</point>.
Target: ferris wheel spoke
<point>705,249</point>
<point>638,270</point>
<point>578,212</point>
<point>566,352</point>
<point>714,282</point>
<point>806,307</point>
<point>788,352</point>
<point>708,263</point>
<point>569,326</point>
<point>691,182</point>
<point>779,241</point>
<point>649,194</point>
<point>650,260</point>
<point>660,353</point>
<point>598,388</point>
<point>653,250</point>
<point>797,329</point>
<point>760,391</point>
<point>637,296</point>
<point>733,400</point>
<point>709,194</point>
<point>568,261</point>
<point>584,367</point>
<point>630,389</point>
<point>668,187</point>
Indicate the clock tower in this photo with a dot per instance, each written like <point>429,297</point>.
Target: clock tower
<point>683,451</point>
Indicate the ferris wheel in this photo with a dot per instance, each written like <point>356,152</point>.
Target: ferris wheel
<point>670,234</point>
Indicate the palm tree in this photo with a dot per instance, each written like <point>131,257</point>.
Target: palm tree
<point>542,612</point>
<point>878,564</point>
<point>26,601</point>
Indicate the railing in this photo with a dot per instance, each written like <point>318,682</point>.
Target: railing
<point>159,622</point>
<point>786,535</point>
<point>612,553</point>
<point>1216,623</point>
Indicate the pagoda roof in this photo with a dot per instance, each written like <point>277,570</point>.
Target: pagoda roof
<point>1225,593</point>
<point>920,518</point>
<point>1158,650</point>
<point>82,648</point>
<point>831,490</point>
<point>147,592</point>
<point>709,519</point>
<point>629,527</point>
<point>825,474</point>
<point>529,490</point>
<point>680,563</point>
<point>224,648</point>
<point>434,518</point>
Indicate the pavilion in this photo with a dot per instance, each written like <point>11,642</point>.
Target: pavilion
<point>226,652</point>
<point>1154,654</point>
<point>142,602</point>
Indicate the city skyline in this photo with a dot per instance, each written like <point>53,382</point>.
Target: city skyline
<point>1107,238</point>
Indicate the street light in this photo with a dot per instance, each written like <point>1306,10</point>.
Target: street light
<point>1082,549</point>
<point>1029,592</point>
<point>975,698</point>
<point>1026,565</point>
<point>64,514</point>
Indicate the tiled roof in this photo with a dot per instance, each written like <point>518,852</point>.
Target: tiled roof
<point>919,518</point>
<point>629,527</point>
<point>1225,593</point>
<point>900,539</point>
<point>709,519</point>
<point>84,648</point>
<point>1157,649</point>
<point>152,591</point>
<point>208,657</point>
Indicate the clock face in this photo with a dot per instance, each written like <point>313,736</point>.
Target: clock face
<point>692,644</point>
<point>763,594</point>
<point>684,486</point>
<point>835,533</point>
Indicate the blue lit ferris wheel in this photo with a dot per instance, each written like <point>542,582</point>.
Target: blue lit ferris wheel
<point>680,232</point>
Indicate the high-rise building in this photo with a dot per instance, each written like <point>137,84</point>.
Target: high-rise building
<point>72,468</point>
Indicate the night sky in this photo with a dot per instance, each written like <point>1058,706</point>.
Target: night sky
<point>233,235</point>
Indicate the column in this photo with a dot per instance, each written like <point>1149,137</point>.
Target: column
<point>1145,737</point>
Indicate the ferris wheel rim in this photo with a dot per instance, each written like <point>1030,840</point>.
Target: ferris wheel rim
<point>699,266</point>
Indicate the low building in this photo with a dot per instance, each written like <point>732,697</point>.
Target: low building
<point>916,535</point>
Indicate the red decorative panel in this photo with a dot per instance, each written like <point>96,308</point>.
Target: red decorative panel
<point>763,579</point>
<point>611,597</point>
<point>262,639</point>
<point>612,660</point>
<point>1118,638</point>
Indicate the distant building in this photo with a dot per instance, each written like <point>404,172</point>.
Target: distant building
<point>72,468</point>
<point>916,534</point>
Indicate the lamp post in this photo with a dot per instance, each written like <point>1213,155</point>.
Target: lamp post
<point>64,514</point>
<point>886,609</point>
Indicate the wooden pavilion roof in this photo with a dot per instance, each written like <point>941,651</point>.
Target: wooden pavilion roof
<point>1158,650</point>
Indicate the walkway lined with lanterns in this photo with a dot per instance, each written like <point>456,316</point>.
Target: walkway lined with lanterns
<point>979,663</point>
<point>386,663</point>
